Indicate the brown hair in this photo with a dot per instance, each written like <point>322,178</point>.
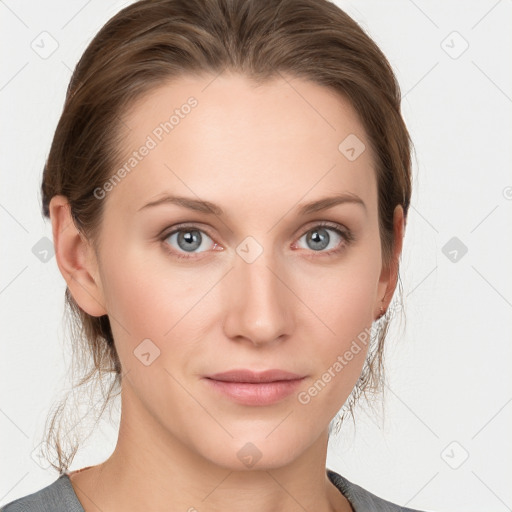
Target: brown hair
<point>147,44</point>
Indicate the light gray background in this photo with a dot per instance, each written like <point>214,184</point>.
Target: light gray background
<point>450,392</point>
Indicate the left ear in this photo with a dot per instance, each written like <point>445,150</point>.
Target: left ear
<point>389,275</point>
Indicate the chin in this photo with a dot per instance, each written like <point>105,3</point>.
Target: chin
<point>254,451</point>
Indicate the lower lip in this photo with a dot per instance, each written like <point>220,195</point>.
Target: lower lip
<point>262,393</point>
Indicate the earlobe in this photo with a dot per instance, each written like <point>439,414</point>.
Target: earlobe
<point>76,259</point>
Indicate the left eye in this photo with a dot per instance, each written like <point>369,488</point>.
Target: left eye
<point>319,239</point>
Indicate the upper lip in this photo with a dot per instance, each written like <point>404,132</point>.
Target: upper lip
<point>243,375</point>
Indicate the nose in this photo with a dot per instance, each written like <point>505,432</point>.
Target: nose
<point>259,305</point>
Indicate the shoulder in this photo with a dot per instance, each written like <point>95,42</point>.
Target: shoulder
<point>363,500</point>
<point>59,496</point>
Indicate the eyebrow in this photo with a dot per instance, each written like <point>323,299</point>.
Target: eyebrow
<point>213,209</point>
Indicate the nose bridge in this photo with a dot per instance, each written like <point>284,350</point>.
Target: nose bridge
<point>259,308</point>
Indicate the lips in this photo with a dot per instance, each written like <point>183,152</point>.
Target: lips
<point>250,388</point>
<point>249,376</point>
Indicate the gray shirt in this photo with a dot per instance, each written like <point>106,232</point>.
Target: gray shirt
<point>60,496</point>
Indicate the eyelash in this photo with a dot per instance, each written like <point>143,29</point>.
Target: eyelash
<point>345,234</point>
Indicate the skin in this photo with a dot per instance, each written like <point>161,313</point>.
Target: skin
<point>259,153</point>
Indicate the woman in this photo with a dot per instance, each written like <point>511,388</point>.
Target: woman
<point>268,138</point>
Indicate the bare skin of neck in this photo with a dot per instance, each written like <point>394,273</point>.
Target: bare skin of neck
<point>98,490</point>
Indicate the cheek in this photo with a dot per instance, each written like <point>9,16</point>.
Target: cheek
<point>342,295</point>
<point>347,309</point>
<point>154,301</point>
<point>141,295</point>
<point>339,355</point>
<point>343,300</point>
<point>134,302</point>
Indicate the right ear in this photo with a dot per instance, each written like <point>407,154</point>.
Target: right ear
<point>76,259</point>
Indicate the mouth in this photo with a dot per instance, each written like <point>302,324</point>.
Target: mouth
<point>250,376</point>
<point>248,387</point>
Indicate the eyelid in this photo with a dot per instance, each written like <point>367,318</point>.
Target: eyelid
<point>327,224</point>
<point>169,230</point>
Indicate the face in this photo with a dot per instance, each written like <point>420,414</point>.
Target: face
<point>253,280</point>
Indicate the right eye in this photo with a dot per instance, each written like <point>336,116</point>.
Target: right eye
<point>187,240</point>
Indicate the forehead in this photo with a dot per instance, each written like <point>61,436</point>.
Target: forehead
<point>225,139</point>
